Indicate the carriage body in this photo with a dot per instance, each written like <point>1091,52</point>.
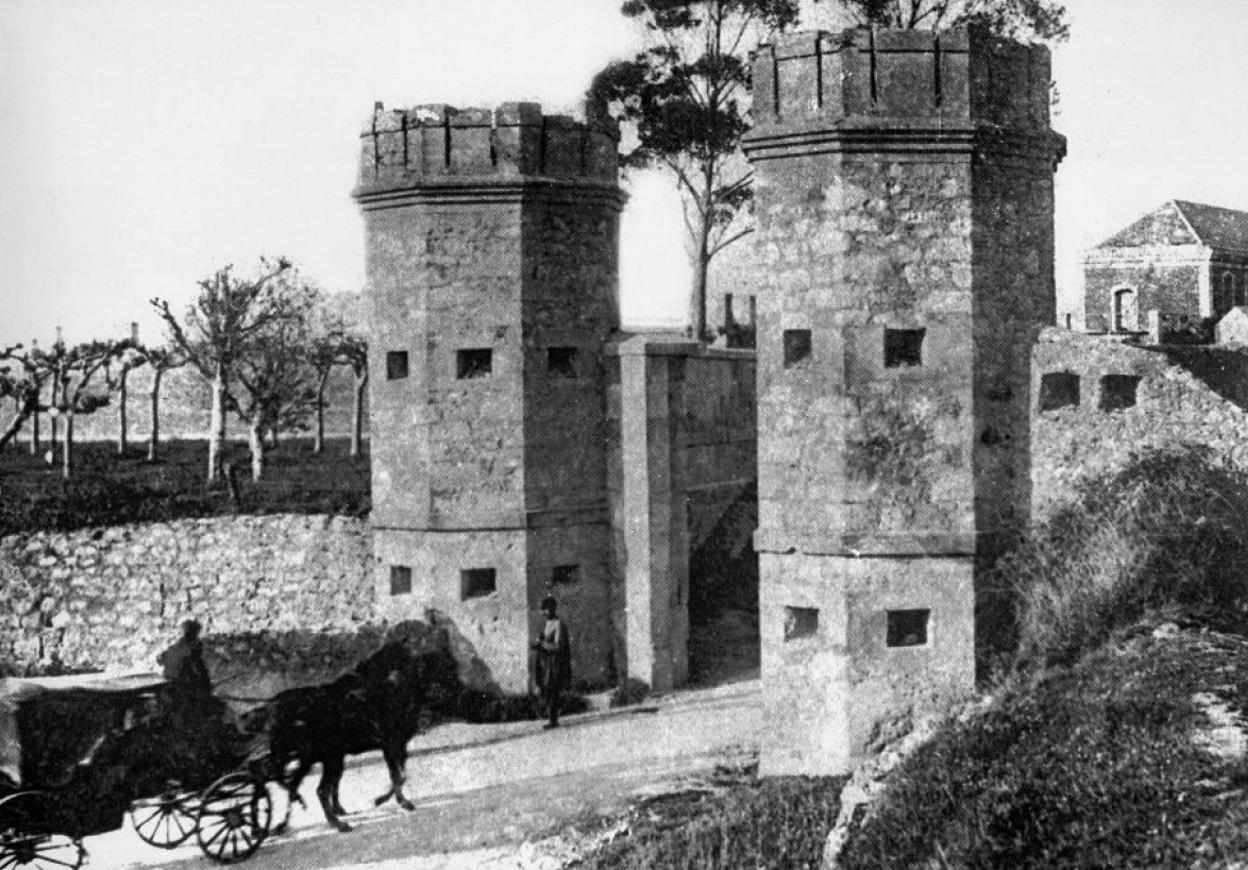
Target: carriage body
<point>78,753</point>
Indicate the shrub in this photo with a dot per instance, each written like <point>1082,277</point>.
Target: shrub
<point>1166,531</point>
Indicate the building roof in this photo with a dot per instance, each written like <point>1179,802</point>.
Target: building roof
<point>1179,222</point>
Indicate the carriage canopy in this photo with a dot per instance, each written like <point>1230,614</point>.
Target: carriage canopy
<point>48,725</point>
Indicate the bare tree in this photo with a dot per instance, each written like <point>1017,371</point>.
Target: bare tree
<point>228,315</point>
<point>23,375</point>
<point>74,372</point>
<point>354,351</point>
<point>128,359</point>
<point>161,360</point>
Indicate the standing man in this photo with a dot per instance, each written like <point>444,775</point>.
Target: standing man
<point>190,688</point>
<point>554,660</point>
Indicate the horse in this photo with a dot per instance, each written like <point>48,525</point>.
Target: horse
<point>377,705</point>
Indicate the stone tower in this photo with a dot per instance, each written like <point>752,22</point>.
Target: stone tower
<point>492,257</point>
<point>905,200</point>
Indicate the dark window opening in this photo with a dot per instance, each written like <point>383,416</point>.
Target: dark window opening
<point>475,362</point>
<point>903,348</point>
<point>561,362</point>
<point>396,365</point>
<point>796,346</point>
<point>565,575</point>
<point>800,622</point>
<point>907,627</point>
<point>400,580</point>
<point>475,582</point>
<point>1059,390</point>
<point>1118,392</point>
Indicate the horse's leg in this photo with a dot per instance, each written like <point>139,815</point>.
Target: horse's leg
<point>291,784</point>
<point>396,761</point>
<point>337,803</point>
<point>331,775</point>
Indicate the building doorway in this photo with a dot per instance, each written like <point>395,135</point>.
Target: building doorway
<point>1126,310</point>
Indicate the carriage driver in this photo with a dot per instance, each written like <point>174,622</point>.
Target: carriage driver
<point>190,689</point>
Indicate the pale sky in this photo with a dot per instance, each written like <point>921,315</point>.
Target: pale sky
<point>143,143</point>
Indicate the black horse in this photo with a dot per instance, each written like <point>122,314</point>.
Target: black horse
<point>378,705</point>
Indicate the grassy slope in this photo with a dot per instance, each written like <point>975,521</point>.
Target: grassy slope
<point>1098,765</point>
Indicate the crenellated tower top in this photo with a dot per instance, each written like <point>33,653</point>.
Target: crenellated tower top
<point>438,145</point>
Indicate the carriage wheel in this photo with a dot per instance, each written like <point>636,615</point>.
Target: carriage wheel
<point>234,817</point>
<point>165,821</point>
<point>25,811</point>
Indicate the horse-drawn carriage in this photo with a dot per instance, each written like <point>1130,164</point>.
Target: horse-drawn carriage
<point>78,754</point>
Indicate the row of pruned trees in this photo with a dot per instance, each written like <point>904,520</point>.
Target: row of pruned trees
<point>265,345</point>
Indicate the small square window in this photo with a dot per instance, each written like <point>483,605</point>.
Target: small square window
<point>476,582</point>
<point>565,575</point>
<point>396,365</point>
<point>796,346</point>
<point>907,627</point>
<point>474,362</point>
<point>1059,390</point>
<point>903,348</point>
<point>1118,392</point>
<point>561,362</point>
<point>400,580</point>
<point>800,622</point>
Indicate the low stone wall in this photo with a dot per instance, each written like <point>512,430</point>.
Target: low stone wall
<point>1096,401</point>
<point>112,598</point>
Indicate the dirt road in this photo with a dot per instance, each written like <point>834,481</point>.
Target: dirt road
<point>483,791</point>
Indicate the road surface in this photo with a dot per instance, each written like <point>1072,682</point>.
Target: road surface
<point>482,791</point>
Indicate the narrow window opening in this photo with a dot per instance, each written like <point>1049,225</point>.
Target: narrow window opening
<point>903,348</point>
<point>400,580</point>
<point>796,346</point>
<point>565,575</point>
<point>800,622</point>
<point>561,362</point>
<point>1118,392</point>
<point>1126,312</point>
<point>396,365</point>
<point>476,582</point>
<point>907,627</point>
<point>1059,390</point>
<point>474,362</point>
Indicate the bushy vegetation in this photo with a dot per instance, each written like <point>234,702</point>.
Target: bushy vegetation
<point>1166,531</point>
<point>779,823</point>
<point>112,491</point>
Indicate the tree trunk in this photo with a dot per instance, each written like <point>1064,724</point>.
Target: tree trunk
<point>34,432</point>
<point>153,439</point>
<point>357,412</point>
<point>53,427</point>
<point>216,425</point>
<point>67,449</point>
<point>255,436</point>
<point>697,292</point>
<point>122,422</point>
<point>318,444</point>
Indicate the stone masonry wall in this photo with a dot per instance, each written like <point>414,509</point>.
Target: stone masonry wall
<point>1167,280</point>
<point>112,598</point>
<point>1176,395</point>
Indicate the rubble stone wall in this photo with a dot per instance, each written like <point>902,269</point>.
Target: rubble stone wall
<point>112,598</point>
<point>1176,395</point>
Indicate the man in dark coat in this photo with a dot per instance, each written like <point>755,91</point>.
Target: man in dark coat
<point>190,689</point>
<point>554,660</point>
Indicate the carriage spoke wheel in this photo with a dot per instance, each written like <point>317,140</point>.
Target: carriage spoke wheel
<point>234,817</point>
<point>22,847</point>
<point>165,821</point>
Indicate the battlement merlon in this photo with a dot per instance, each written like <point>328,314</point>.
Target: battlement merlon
<point>440,146</point>
<point>922,89</point>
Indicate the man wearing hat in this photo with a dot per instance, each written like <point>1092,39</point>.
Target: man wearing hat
<point>554,659</point>
<point>190,689</point>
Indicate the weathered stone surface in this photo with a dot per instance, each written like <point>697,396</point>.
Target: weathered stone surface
<point>905,196</point>
<point>233,574</point>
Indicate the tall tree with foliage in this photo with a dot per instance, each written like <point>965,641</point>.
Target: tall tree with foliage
<point>1025,20</point>
<point>227,317</point>
<point>684,104</point>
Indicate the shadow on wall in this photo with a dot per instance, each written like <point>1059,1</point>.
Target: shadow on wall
<point>248,669</point>
<point>1223,370</point>
<point>723,568</point>
<point>1165,533</point>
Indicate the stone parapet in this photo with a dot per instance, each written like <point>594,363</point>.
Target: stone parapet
<point>439,147</point>
<point>901,91</point>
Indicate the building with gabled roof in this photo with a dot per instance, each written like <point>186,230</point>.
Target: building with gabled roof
<point>1184,259</point>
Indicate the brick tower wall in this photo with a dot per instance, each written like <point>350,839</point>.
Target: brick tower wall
<point>491,233</point>
<point>902,185</point>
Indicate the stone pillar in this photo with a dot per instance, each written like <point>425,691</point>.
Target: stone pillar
<point>905,200</point>
<point>492,257</point>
